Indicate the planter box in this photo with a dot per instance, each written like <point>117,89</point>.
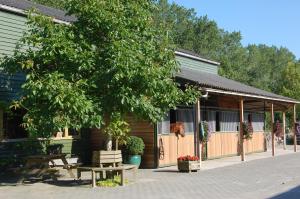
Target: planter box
<point>106,157</point>
<point>188,166</point>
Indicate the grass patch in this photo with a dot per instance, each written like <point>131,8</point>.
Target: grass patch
<point>116,181</point>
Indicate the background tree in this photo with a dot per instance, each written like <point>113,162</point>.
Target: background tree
<point>111,61</point>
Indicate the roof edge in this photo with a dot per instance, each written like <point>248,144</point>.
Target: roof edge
<point>196,58</point>
<point>23,12</point>
<point>250,95</point>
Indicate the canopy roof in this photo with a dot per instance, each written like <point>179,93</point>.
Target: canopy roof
<point>218,84</point>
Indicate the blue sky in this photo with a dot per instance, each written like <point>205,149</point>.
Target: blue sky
<point>271,22</point>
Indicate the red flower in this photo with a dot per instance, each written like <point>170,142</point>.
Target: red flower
<point>188,158</point>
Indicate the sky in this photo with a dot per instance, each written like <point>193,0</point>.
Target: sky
<point>271,22</point>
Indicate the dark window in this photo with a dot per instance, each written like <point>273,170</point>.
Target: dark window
<point>12,123</point>
<point>173,117</point>
<point>218,121</point>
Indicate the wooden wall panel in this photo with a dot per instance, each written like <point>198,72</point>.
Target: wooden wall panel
<point>174,147</point>
<point>256,144</point>
<point>139,128</point>
<point>226,144</point>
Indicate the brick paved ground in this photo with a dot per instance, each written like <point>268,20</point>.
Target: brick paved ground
<point>277,178</point>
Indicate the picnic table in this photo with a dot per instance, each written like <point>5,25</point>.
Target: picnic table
<point>41,164</point>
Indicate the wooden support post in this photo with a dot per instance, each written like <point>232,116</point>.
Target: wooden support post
<point>1,125</point>
<point>272,129</point>
<point>294,128</point>
<point>66,132</point>
<point>283,128</point>
<point>197,129</point>
<point>242,151</point>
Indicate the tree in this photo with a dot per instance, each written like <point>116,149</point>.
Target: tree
<point>111,61</point>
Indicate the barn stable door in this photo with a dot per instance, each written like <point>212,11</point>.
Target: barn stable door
<point>170,146</point>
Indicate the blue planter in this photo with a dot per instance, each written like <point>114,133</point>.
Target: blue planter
<point>134,159</point>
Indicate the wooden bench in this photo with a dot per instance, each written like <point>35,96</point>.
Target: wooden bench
<point>95,170</point>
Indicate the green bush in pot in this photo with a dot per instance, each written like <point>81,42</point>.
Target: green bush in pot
<point>134,149</point>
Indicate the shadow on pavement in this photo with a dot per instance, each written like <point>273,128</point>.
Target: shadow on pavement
<point>16,179</point>
<point>290,194</point>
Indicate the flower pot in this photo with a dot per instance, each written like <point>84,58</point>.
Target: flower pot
<point>188,166</point>
<point>134,159</point>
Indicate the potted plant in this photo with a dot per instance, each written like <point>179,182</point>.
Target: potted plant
<point>188,163</point>
<point>134,149</point>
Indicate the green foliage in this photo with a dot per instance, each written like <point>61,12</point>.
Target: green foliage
<point>290,80</point>
<point>118,129</point>
<point>135,146</point>
<point>116,181</point>
<point>261,66</point>
<point>205,131</point>
<point>112,60</point>
<point>255,65</point>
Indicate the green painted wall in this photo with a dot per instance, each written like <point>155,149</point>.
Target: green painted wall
<point>197,65</point>
<point>12,27</point>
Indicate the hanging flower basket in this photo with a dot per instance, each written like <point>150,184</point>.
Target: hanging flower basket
<point>205,132</point>
<point>177,128</point>
<point>188,163</point>
<point>277,129</point>
<point>247,130</point>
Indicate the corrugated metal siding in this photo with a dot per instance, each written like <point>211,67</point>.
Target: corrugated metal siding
<point>197,65</point>
<point>12,27</point>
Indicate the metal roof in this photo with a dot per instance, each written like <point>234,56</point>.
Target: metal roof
<point>216,82</point>
<point>24,5</point>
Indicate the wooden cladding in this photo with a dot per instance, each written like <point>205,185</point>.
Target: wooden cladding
<point>171,147</point>
<point>227,144</point>
<point>256,144</point>
<point>144,130</point>
<point>227,102</point>
<point>139,128</point>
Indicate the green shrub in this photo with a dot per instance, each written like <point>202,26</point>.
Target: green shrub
<point>135,146</point>
<point>110,182</point>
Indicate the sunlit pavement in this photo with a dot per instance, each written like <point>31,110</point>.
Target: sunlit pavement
<point>261,176</point>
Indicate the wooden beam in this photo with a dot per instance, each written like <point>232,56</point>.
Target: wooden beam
<point>66,132</point>
<point>198,145</point>
<point>241,138</point>
<point>283,128</point>
<point>294,128</point>
<point>1,125</point>
<point>272,129</point>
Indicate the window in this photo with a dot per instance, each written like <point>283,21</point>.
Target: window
<point>229,121</point>
<point>257,120</point>
<point>184,115</point>
<point>187,117</point>
<point>12,125</point>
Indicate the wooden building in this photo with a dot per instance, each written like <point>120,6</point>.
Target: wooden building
<point>224,105</point>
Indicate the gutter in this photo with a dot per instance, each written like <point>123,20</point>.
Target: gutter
<point>23,12</point>
<point>250,95</point>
